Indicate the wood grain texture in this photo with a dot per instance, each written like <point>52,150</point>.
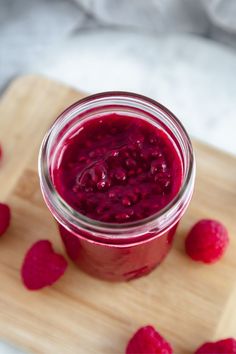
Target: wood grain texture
<point>186,301</point>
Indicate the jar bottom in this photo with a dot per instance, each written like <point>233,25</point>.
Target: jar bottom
<point>114,263</point>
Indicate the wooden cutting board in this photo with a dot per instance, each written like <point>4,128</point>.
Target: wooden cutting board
<point>186,301</point>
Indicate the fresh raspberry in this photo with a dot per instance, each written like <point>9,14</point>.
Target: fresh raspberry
<point>207,241</point>
<point>148,341</point>
<point>5,216</point>
<point>42,266</point>
<point>224,346</point>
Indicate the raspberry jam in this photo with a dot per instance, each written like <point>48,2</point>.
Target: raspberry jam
<point>117,173</point>
<point>117,168</point>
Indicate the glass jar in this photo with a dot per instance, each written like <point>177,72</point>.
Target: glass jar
<point>115,251</point>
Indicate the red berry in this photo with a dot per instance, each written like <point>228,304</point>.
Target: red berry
<point>42,266</point>
<point>148,341</point>
<point>207,241</point>
<point>0,152</point>
<point>224,346</point>
<point>5,216</point>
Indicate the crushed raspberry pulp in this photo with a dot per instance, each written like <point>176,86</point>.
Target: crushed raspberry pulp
<point>117,168</point>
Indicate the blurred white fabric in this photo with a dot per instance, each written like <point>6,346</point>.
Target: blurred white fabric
<point>29,29</point>
<point>206,17</point>
<point>6,348</point>
<point>222,13</point>
<point>156,15</point>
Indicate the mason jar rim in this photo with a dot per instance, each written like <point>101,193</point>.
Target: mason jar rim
<point>74,220</point>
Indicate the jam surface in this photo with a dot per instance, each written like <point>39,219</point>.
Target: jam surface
<point>118,169</point>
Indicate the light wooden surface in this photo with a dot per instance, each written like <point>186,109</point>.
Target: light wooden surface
<point>186,301</point>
